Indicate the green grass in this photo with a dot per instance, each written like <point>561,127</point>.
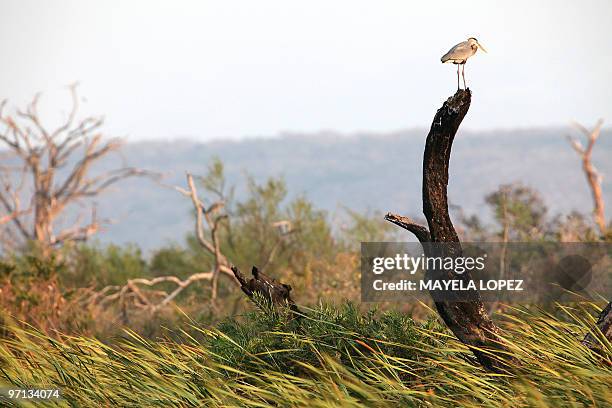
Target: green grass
<point>334,357</point>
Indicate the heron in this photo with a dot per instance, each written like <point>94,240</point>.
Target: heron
<point>459,54</point>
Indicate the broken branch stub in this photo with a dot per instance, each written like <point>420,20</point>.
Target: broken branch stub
<point>275,293</point>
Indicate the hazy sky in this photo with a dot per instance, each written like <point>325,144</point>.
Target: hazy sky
<point>229,69</point>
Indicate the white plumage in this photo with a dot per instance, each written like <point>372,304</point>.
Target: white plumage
<point>460,53</point>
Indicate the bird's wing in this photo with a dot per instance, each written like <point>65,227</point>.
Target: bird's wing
<point>460,51</point>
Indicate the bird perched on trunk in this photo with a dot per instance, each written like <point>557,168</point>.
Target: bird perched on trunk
<point>459,54</point>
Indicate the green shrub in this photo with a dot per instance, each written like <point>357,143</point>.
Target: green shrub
<point>102,265</point>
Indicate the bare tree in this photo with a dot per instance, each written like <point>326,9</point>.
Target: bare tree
<point>593,177</point>
<point>210,218</point>
<point>49,170</point>
<point>603,326</point>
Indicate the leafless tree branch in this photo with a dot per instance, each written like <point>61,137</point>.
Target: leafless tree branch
<point>419,231</point>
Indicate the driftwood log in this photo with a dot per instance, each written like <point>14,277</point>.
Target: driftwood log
<point>464,313</point>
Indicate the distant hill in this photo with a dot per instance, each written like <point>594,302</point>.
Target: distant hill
<point>360,171</point>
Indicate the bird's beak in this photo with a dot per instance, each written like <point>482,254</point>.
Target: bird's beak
<point>482,48</point>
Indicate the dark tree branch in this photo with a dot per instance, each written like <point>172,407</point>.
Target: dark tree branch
<point>275,293</point>
<point>419,231</point>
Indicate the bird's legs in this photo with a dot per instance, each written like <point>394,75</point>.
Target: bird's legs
<point>463,74</point>
<point>458,86</point>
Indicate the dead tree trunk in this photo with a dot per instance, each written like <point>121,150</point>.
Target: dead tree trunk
<point>464,313</point>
